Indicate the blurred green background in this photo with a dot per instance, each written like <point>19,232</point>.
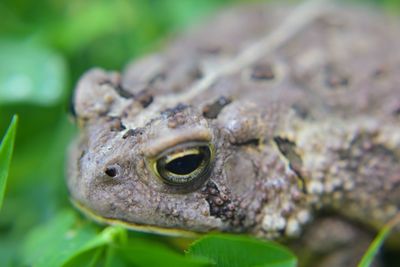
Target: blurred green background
<point>44,47</point>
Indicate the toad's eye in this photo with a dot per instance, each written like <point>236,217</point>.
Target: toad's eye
<point>184,164</point>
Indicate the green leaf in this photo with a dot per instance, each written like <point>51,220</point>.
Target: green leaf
<point>6,151</point>
<point>30,73</point>
<point>106,237</point>
<point>113,259</point>
<point>89,258</point>
<point>234,250</point>
<point>63,240</point>
<point>142,252</point>
<point>374,247</point>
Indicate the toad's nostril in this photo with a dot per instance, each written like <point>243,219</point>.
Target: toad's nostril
<point>111,171</point>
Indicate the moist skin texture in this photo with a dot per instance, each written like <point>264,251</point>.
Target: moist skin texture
<point>306,135</point>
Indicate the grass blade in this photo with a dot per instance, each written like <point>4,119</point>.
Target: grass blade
<point>6,150</point>
<point>374,247</point>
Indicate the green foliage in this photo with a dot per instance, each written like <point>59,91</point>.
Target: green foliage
<point>6,151</point>
<point>30,73</point>
<point>45,46</point>
<point>145,253</point>
<point>61,240</point>
<point>241,251</point>
<point>374,247</point>
<point>67,240</point>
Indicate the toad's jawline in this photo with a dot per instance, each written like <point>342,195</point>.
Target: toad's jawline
<point>132,226</point>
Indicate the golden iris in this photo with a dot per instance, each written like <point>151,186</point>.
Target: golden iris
<point>184,164</point>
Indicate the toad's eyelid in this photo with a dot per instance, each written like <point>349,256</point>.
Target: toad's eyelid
<point>159,145</point>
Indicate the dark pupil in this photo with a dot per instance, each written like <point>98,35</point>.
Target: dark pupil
<point>185,165</point>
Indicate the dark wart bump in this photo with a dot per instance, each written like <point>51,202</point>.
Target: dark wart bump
<point>211,111</point>
<point>221,206</point>
<point>335,79</point>
<point>380,72</point>
<point>116,124</point>
<point>176,120</point>
<point>144,97</point>
<point>122,92</point>
<point>250,142</point>
<point>173,111</point>
<point>262,72</point>
<point>195,73</point>
<point>301,110</point>
<point>158,77</point>
<point>212,50</point>
<point>132,132</point>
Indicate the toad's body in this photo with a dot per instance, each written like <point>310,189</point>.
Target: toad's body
<point>309,124</point>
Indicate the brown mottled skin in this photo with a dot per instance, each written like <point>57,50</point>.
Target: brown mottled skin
<point>311,128</point>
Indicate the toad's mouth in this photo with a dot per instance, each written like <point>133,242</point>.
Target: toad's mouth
<point>133,226</point>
